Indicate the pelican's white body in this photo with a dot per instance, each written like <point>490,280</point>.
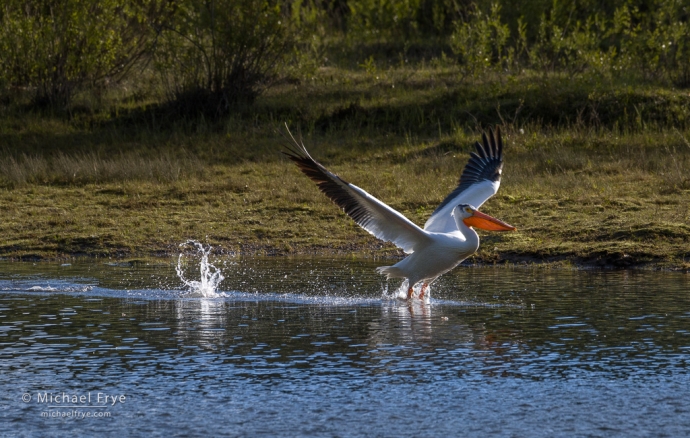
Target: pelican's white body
<point>433,258</point>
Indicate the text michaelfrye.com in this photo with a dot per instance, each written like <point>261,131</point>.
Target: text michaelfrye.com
<point>91,404</point>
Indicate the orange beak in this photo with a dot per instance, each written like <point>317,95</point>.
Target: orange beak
<point>486,222</point>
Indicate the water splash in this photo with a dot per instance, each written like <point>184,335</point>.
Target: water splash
<point>210,275</point>
<point>401,292</point>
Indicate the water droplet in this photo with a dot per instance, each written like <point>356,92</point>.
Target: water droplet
<point>210,276</point>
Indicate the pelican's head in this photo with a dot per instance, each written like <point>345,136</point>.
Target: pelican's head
<point>472,217</point>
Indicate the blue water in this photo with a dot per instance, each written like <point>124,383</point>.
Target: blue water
<point>313,347</point>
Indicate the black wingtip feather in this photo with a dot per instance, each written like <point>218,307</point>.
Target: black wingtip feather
<point>484,165</point>
<point>329,183</point>
<point>487,145</point>
<point>480,151</point>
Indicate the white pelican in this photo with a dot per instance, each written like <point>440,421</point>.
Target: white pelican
<point>447,238</point>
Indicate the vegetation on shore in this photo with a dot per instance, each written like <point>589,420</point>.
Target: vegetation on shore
<point>597,168</point>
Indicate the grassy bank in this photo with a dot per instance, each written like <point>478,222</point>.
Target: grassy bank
<point>596,172</point>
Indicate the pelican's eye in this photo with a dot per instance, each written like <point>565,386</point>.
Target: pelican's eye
<point>468,209</point>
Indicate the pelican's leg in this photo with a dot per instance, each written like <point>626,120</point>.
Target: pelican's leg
<point>424,287</point>
<point>409,293</point>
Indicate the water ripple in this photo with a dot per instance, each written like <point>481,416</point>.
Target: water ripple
<point>507,355</point>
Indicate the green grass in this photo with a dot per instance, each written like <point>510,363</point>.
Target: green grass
<point>596,172</point>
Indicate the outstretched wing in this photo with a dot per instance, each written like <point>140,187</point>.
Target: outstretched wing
<point>368,212</point>
<point>479,181</point>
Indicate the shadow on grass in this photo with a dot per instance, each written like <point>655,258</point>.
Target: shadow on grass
<point>348,113</point>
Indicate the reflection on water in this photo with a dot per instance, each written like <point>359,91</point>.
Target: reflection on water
<point>312,347</point>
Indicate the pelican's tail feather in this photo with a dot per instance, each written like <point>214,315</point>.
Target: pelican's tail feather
<point>391,272</point>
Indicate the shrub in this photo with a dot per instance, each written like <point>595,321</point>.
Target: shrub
<point>217,55</point>
<point>53,48</point>
<point>481,41</point>
<point>618,40</point>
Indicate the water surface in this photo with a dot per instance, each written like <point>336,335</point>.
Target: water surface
<point>313,347</point>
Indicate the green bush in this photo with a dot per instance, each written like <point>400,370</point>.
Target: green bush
<point>482,42</point>
<point>217,55</point>
<point>657,42</point>
<point>388,18</point>
<point>617,40</point>
<point>51,49</point>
